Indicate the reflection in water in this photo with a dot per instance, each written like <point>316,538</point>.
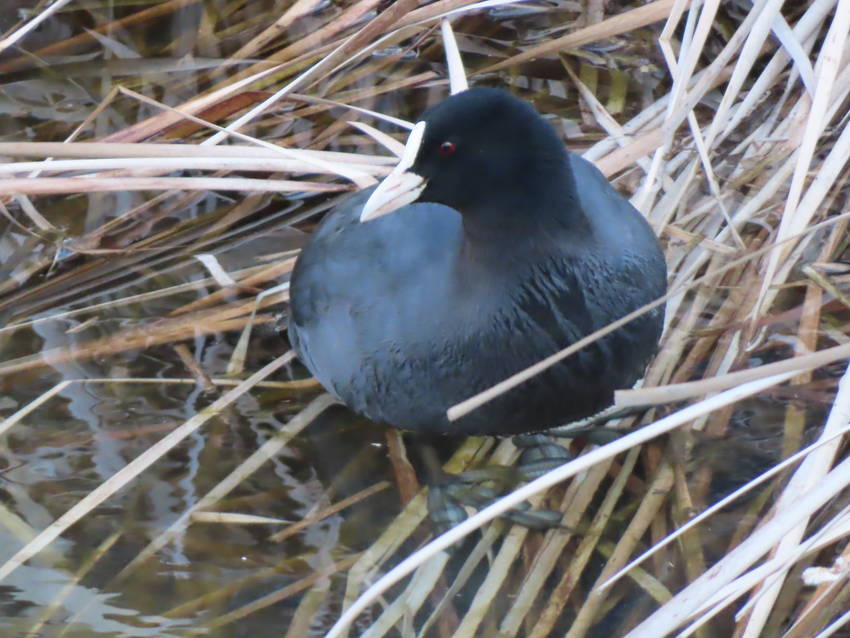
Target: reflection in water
<point>31,591</point>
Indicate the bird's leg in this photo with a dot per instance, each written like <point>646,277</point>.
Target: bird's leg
<point>449,497</point>
<point>447,505</point>
<point>539,453</point>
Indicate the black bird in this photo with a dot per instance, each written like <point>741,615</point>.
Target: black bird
<point>501,248</point>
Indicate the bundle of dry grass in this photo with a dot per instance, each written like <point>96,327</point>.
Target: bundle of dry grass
<point>738,157</point>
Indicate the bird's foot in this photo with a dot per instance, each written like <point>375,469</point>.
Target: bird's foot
<point>476,489</point>
<point>448,503</point>
<point>539,454</point>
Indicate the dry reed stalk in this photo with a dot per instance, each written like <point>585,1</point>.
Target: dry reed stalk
<point>569,580</point>
<point>748,157</point>
<point>276,596</point>
<point>576,501</point>
<point>547,480</point>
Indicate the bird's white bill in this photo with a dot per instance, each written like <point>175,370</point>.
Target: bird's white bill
<point>400,187</point>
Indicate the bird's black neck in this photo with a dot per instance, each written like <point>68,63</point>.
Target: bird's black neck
<point>528,217</point>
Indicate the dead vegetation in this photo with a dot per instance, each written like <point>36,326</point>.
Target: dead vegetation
<point>734,140</point>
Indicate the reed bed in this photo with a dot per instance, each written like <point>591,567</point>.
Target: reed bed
<point>726,122</point>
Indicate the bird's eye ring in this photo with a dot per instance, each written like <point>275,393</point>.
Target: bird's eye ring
<point>447,148</point>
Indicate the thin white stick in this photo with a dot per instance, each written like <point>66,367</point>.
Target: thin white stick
<point>457,76</point>
<point>58,185</point>
<point>32,24</point>
<point>147,150</point>
<point>12,419</point>
<point>265,165</point>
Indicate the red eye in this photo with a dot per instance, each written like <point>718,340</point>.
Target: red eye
<point>447,148</point>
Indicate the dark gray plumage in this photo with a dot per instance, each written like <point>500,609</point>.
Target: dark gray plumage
<point>515,249</point>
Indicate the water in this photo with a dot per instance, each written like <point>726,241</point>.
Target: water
<point>209,573</point>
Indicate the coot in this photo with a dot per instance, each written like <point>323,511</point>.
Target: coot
<point>488,248</point>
